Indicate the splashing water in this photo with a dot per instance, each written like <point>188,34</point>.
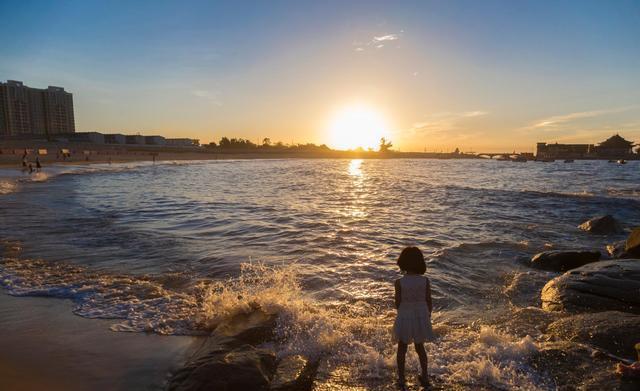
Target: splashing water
<point>346,336</point>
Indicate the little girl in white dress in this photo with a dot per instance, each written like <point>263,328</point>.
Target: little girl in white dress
<point>413,302</point>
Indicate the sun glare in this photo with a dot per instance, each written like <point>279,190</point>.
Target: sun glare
<point>357,126</point>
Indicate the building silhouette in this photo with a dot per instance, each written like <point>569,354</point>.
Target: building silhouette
<point>615,147</point>
<point>29,112</point>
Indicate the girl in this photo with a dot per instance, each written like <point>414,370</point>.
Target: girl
<point>413,302</point>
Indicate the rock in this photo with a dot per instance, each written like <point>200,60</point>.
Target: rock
<point>601,225</point>
<point>561,261</point>
<point>293,373</point>
<point>602,286</point>
<point>632,246</point>
<point>617,249</point>
<point>612,331</point>
<point>251,328</point>
<point>573,367</point>
<point>229,358</point>
<point>520,322</point>
<point>245,368</point>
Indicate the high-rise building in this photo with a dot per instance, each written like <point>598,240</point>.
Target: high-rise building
<point>26,111</point>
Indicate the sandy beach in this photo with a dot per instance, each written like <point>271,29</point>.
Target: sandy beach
<point>51,348</point>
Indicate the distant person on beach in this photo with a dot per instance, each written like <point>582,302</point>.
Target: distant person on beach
<point>414,305</point>
<point>30,168</point>
<point>38,165</point>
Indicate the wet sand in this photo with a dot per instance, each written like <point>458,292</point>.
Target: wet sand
<point>45,346</point>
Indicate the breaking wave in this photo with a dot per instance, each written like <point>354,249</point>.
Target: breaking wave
<point>348,335</point>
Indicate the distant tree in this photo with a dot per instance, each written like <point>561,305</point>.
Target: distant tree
<point>266,142</point>
<point>457,151</point>
<point>224,142</point>
<point>385,146</point>
<point>211,145</point>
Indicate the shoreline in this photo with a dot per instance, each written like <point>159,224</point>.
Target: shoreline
<point>46,346</point>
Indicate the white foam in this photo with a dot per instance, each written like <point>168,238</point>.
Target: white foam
<point>8,186</point>
<point>347,335</point>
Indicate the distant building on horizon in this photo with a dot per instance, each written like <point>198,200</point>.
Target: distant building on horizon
<point>28,112</point>
<point>182,142</point>
<point>615,147</point>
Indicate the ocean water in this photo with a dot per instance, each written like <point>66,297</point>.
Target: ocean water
<point>174,248</point>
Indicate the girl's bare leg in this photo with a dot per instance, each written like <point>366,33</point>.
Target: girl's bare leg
<point>422,355</point>
<point>402,352</point>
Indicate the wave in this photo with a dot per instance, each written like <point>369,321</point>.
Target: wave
<point>10,179</point>
<point>8,186</point>
<point>353,335</point>
<point>624,193</point>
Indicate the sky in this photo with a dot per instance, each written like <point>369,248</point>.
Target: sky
<point>484,76</point>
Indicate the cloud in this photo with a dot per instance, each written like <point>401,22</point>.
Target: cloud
<point>210,96</point>
<point>441,125</point>
<point>562,122</point>
<point>388,37</point>
<point>477,113</point>
<point>377,42</point>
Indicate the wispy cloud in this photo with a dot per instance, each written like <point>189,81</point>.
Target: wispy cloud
<point>388,37</point>
<point>561,122</point>
<point>445,126</point>
<point>210,96</point>
<point>377,42</point>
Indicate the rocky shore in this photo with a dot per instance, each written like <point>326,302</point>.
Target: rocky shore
<point>587,321</point>
<point>596,307</point>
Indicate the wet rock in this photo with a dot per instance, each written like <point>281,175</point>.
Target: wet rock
<point>617,249</point>
<point>612,331</point>
<point>632,246</point>
<point>601,225</point>
<point>530,321</point>
<point>573,367</point>
<point>245,368</point>
<point>253,328</point>
<point>602,286</point>
<point>230,359</point>
<point>562,261</point>
<point>294,373</point>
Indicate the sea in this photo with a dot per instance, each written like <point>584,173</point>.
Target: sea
<point>174,248</point>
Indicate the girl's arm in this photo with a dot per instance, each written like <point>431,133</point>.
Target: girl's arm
<point>429,302</point>
<point>397,296</point>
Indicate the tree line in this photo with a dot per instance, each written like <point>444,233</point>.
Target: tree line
<point>267,144</point>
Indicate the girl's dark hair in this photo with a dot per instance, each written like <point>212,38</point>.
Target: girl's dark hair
<point>411,260</point>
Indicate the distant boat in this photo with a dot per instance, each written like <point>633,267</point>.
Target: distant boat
<point>548,160</point>
<point>622,161</point>
<point>568,161</point>
<point>503,159</point>
<point>519,159</point>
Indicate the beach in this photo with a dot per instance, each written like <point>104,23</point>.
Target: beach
<point>292,261</point>
<point>45,346</point>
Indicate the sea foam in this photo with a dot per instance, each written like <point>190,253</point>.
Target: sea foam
<point>352,339</point>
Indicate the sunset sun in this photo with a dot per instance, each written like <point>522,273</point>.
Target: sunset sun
<point>357,126</point>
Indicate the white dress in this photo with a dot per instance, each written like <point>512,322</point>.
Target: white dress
<point>413,322</point>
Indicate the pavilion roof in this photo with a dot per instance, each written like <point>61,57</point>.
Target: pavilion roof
<point>616,141</point>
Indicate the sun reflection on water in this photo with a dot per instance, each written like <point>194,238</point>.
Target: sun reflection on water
<point>356,207</point>
<point>355,167</point>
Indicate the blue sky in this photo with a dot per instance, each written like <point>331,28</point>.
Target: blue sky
<point>482,75</point>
